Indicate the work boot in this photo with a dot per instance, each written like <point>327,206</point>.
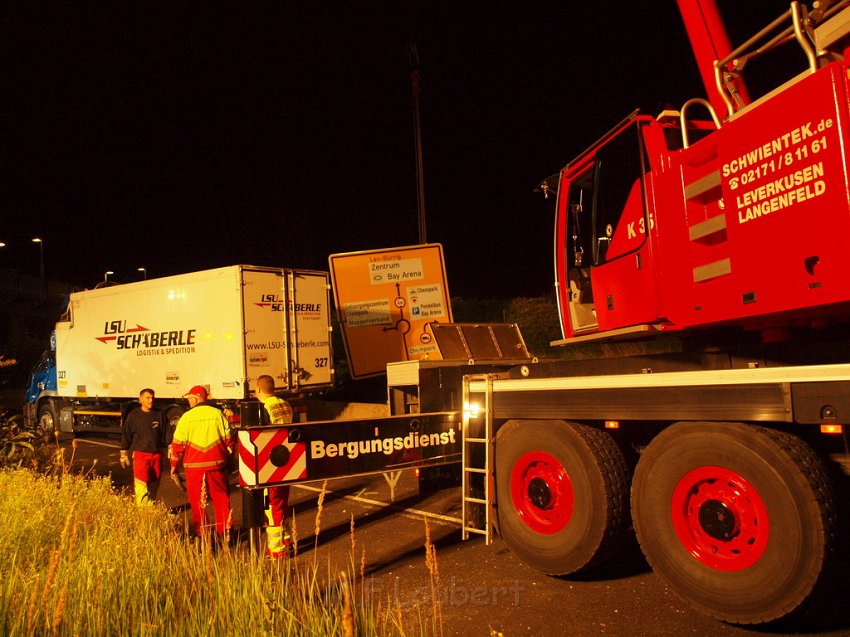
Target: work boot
<point>280,549</point>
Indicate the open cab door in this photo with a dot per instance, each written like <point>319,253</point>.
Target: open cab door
<point>603,247</point>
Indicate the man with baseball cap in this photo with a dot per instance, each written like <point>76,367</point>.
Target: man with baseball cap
<point>203,442</point>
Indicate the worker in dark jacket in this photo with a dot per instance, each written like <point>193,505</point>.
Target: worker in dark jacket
<point>142,434</point>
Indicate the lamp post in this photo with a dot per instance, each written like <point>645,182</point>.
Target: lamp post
<point>144,273</point>
<point>106,275</point>
<point>40,243</point>
<point>415,78</point>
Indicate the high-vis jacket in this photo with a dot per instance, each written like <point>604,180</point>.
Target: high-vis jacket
<point>279,411</point>
<point>202,439</point>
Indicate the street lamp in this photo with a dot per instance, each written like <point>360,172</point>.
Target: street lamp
<point>40,243</point>
<point>106,275</point>
<point>144,273</point>
<point>413,61</point>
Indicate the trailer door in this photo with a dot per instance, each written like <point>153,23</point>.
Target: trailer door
<point>266,326</point>
<point>311,354</point>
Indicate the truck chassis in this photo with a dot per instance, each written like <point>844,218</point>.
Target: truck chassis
<point>732,488</point>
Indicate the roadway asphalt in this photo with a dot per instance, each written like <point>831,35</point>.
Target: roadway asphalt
<point>481,588</point>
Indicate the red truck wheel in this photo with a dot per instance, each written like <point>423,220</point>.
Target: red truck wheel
<point>738,519</point>
<point>541,492</point>
<point>720,518</point>
<point>561,491</point>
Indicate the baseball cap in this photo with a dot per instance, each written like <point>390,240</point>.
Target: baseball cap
<point>197,390</point>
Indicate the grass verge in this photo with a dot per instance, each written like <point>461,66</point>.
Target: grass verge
<point>77,559</point>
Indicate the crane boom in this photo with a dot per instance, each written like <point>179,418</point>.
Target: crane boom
<point>710,42</point>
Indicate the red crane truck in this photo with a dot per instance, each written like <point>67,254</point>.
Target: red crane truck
<point>702,282</point>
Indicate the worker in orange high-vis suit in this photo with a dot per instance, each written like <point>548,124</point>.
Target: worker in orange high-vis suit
<point>142,435</point>
<point>203,442</point>
<point>279,412</point>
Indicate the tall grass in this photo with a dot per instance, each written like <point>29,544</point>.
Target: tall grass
<point>77,559</point>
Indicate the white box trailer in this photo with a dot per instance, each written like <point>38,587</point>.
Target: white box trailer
<point>220,328</point>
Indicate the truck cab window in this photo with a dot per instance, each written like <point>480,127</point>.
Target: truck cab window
<point>619,164</point>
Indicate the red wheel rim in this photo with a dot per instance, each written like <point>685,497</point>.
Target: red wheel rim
<point>542,492</point>
<point>720,518</point>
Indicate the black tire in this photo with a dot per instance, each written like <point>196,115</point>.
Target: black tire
<point>738,519</point>
<point>172,415</point>
<point>562,493</point>
<point>47,419</point>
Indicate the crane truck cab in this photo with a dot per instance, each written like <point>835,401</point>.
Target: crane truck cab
<point>675,223</point>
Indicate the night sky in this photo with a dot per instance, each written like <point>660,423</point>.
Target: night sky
<point>174,138</point>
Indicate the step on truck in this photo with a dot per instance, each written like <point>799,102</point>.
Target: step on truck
<point>220,328</point>
<point>703,396</point>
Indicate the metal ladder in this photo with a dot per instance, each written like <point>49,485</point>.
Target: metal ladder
<point>471,502</point>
